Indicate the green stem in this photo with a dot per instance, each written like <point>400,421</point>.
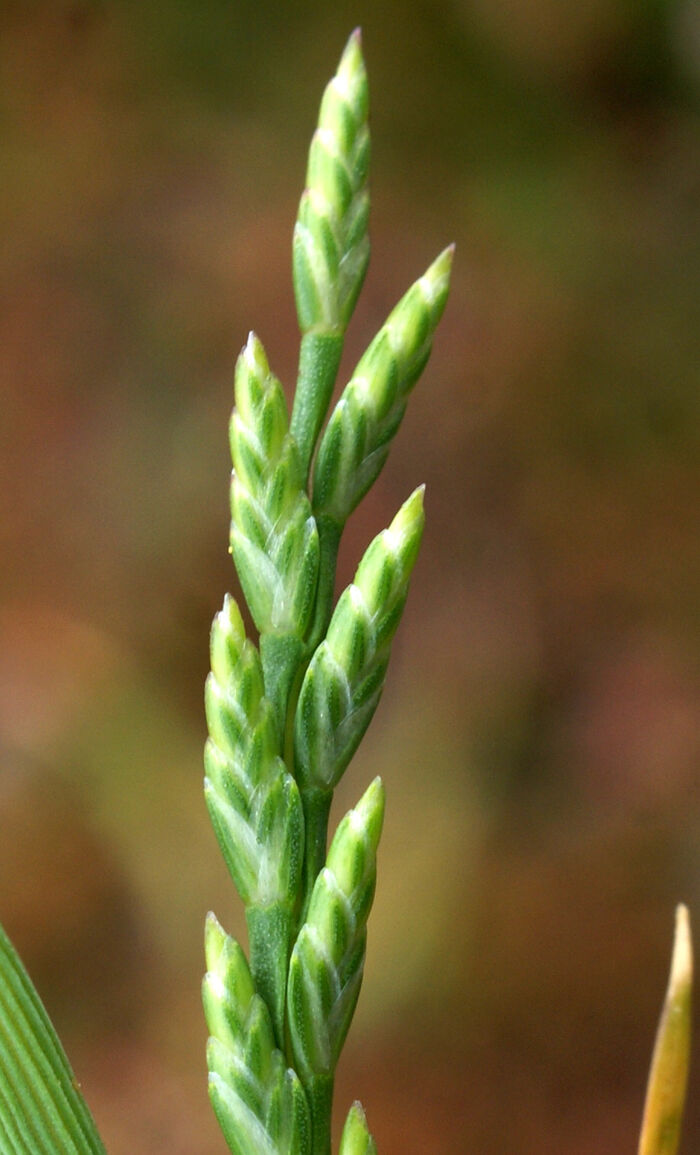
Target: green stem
<point>329,533</point>
<point>281,655</point>
<point>318,367</point>
<point>319,1092</point>
<point>269,933</point>
<point>317,805</point>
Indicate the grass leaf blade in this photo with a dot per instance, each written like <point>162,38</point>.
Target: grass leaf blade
<point>668,1076</point>
<point>41,1109</point>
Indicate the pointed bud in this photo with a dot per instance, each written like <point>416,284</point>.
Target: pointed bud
<point>345,678</point>
<point>358,437</point>
<point>356,1139</point>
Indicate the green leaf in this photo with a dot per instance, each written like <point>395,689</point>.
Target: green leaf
<point>41,1109</point>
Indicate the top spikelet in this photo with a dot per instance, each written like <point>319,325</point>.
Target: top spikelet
<point>331,242</point>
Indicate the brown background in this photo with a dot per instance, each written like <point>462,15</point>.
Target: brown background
<point>539,734</point>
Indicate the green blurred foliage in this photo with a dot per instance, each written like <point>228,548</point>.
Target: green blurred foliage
<point>539,735</point>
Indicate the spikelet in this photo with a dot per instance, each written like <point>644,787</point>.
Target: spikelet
<point>258,1100</point>
<point>362,426</point>
<point>274,539</point>
<point>331,243</point>
<point>253,802</point>
<point>325,970</point>
<point>345,678</point>
<point>273,533</point>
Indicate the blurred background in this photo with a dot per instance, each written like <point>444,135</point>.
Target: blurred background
<point>539,736</point>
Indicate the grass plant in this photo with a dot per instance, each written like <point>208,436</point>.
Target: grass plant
<point>285,714</point>
<point>286,717</point>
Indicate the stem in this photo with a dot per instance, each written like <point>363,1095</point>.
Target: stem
<point>329,532</point>
<point>317,805</point>
<point>318,367</point>
<point>269,933</point>
<point>281,655</point>
<point>319,1092</point>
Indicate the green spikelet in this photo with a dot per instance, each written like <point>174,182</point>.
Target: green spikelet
<point>258,1101</point>
<point>273,533</point>
<point>325,970</point>
<point>253,801</point>
<point>356,1139</point>
<point>356,442</point>
<point>345,678</point>
<point>331,242</point>
<point>362,426</point>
